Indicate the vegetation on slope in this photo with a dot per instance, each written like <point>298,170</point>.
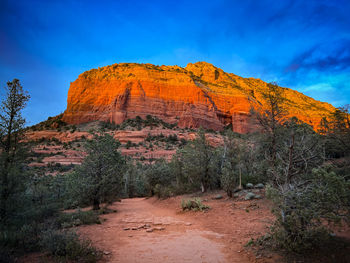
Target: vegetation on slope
<point>307,184</point>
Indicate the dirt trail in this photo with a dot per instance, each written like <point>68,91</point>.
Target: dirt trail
<point>176,236</point>
<point>172,239</point>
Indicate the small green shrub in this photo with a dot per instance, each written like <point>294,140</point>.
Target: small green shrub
<point>128,144</point>
<point>66,245</point>
<point>163,191</point>
<point>193,204</point>
<point>67,220</point>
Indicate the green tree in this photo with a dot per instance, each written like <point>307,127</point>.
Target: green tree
<point>336,129</point>
<point>198,157</point>
<point>134,179</point>
<point>300,149</point>
<point>304,195</point>
<point>99,178</point>
<point>232,163</point>
<point>11,157</point>
<point>270,117</point>
<point>306,211</point>
<point>159,178</point>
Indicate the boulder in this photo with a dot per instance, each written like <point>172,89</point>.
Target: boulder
<point>217,197</point>
<point>249,196</point>
<point>259,186</point>
<point>249,185</point>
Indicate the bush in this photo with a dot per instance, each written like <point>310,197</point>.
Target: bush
<point>193,204</point>
<point>163,191</point>
<point>66,220</point>
<point>66,245</point>
<point>20,239</point>
<point>128,144</point>
<point>158,176</point>
<point>134,181</point>
<point>306,212</point>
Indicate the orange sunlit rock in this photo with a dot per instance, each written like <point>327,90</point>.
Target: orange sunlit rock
<point>198,95</point>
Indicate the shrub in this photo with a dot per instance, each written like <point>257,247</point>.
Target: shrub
<point>66,245</point>
<point>193,204</point>
<point>128,144</point>
<point>163,191</point>
<point>66,220</point>
<point>306,211</point>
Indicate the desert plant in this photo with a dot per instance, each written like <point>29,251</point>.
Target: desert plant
<point>77,218</point>
<point>306,210</point>
<point>67,245</point>
<point>195,204</point>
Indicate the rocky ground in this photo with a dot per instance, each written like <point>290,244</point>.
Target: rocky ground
<point>59,150</point>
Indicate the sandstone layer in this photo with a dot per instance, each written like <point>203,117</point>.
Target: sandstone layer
<point>198,95</point>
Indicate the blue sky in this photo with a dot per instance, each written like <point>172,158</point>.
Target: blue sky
<point>304,45</point>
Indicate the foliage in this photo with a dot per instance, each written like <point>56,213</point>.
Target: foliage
<point>307,199</point>
<point>336,129</point>
<point>99,178</point>
<point>336,133</point>
<point>198,158</point>
<point>12,158</point>
<point>30,200</point>
<point>172,138</point>
<point>68,246</point>
<point>71,219</point>
<point>195,204</point>
<point>134,180</point>
<point>159,178</point>
<point>51,123</point>
<point>139,123</point>
<point>232,163</point>
<point>270,118</point>
<point>306,210</point>
<point>300,149</point>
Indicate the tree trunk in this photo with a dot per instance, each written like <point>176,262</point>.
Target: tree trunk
<point>203,188</point>
<point>240,179</point>
<point>96,204</point>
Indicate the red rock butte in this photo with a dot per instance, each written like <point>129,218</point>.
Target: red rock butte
<point>198,95</point>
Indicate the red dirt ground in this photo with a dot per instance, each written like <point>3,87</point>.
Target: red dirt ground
<point>217,235</point>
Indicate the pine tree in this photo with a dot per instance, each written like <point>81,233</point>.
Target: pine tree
<point>11,157</point>
<point>99,178</point>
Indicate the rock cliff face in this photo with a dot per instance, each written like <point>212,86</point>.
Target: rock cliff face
<point>198,95</point>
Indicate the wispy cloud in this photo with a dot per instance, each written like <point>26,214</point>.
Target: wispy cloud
<point>333,56</point>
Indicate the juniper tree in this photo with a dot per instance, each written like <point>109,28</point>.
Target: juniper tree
<point>336,128</point>
<point>99,178</point>
<point>231,168</point>
<point>305,194</point>
<point>198,157</point>
<point>11,157</point>
<point>270,116</point>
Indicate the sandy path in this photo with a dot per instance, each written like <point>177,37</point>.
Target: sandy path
<point>180,240</point>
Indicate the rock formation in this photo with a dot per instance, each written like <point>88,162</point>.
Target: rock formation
<point>198,95</point>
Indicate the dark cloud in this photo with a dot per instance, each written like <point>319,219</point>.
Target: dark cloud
<point>334,56</point>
